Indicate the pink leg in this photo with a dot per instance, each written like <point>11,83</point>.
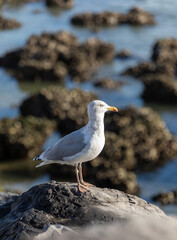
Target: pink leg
<point>81,177</point>
<point>80,186</point>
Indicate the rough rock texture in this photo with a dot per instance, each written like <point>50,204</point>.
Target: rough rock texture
<point>60,104</point>
<point>8,23</point>
<point>135,16</point>
<point>60,3</point>
<point>140,139</point>
<point>61,203</point>
<point>165,51</point>
<point>52,56</point>
<point>166,197</point>
<point>108,83</point>
<point>23,137</point>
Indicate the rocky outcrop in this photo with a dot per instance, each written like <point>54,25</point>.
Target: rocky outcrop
<point>135,16</point>
<point>161,91</point>
<point>165,51</point>
<point>7,197</point>
<point>166,197</point>
<point>147,71</point>
<point>50,57</point>
<point>6,24</point>
<point>108,83</point>
<point>159,81</point>
<point>61,203</point>
<point>23,137</point>
<point>60,3</point>
<point>60,104</point>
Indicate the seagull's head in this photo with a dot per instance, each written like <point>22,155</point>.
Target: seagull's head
<point>99,107</point>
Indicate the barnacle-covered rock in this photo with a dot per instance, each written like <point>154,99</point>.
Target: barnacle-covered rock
<point>108,83</point>
<point>68,107</point>
<point>135,16</point>
<point>146,142</point>
<point>8,23</point>
<point>23,137</point>
<point>166,197</point>
<point>51,56</point>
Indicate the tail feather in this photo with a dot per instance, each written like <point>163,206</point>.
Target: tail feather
<point>37,158</point>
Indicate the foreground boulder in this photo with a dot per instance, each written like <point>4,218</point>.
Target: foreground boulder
<point>6,24</point>
<point>135,16</point>
<point>52,56</point>
<point>23,137</point>
<point>60,104</point>
<point>61,203</point>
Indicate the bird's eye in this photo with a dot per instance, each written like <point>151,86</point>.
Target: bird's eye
<point>101,105</point>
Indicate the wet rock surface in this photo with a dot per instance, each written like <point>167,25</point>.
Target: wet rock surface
<point>135,16</point>
<point>7,197</point>
<point>50,57</point>
<point>165,198</point>
<point>23,137</point>
<point>60,104</point>
<point>58,203</point>
<point>6,23</point>
<point>60,3</point>
<point>108,83</point>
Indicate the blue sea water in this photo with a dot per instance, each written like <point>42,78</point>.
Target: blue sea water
<point>139,40</point>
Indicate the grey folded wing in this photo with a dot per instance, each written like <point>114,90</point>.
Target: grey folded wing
<point>69,145</point>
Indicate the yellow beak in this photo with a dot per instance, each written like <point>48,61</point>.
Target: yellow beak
<point>113,109</point>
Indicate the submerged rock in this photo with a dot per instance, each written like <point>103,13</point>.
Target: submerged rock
<point>23,137</point>
<point>8,23</point>
<point>166,197</point>
<point>51,56</point>
<point>108,83</point>
<point>60,104</point>
<point>135,16</point>
<point>123,54</point>
<point>61,203</point>
<point>60,3</point>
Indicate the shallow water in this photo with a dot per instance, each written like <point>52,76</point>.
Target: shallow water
<point>139,40</point>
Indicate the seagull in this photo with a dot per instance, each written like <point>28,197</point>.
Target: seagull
<point>81,145</point>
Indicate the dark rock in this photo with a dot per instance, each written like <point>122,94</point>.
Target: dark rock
<point>166,197</point>
<point>60,3</point>
<point>148,71</point>
<point>58,203</point>
<point>8,23</point>
<point>140,139</point>
<point>108,83</point>
<point>138,16</point>
<point>165,51</point>
<point>135,16</point>
<point>160,91</point>
<point>125,53</point>
<point>60,104</point>
<point>51,57</point>
<point>23,137</point>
